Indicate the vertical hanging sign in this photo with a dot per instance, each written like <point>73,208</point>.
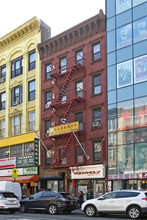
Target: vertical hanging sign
<point>36,148</point>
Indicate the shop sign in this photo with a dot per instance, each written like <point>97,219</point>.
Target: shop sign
<point>125,176</point>
<point>7,162</point>
<point>63,129</point>
<point>25,161</point>
<point>144,175</point>
<point>87,172</point>
<point>8,172</point>
<point>30,170</point>
<point>36,142</point>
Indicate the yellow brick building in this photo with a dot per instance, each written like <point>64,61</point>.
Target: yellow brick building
<point>20,94</point>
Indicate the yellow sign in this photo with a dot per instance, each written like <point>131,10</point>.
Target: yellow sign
<point>63,129</point>
<point>14,173</point>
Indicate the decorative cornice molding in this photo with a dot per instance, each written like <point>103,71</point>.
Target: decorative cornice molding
<point>20,32</point>
<point>68,38</point>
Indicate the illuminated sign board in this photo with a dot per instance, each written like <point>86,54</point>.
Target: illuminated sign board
<point>63,129</point>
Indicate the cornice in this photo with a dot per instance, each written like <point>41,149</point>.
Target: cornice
<point>20,32</point>
<point>76,34</point>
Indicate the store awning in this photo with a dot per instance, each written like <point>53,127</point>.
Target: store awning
<point>21,179</point>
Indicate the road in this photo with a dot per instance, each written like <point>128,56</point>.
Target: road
<point>45,216</point>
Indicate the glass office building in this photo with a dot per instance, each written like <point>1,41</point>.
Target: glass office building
<point>127,93</point>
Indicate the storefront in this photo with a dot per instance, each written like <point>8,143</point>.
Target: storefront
<point>89,179</point>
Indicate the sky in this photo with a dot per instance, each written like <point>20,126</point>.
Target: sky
<point>60,15</point>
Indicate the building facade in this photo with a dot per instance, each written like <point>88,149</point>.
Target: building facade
<point>73,109</point>
<point>20,97</point>
<point>127,93</point>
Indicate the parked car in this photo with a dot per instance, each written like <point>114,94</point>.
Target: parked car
<point>130,202</point>
<point>9,202</point>
<point>53,202</point>
<point>14,187</point>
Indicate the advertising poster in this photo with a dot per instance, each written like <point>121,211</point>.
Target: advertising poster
<point>140,30</point>
<point>124,74</point>
<point>140,69</point>
<point>122,5</point>
<point>124,36</point>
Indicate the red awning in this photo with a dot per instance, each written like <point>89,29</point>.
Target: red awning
<point>21,179</point>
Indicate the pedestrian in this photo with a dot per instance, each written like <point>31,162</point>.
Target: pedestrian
<point>81,198</point>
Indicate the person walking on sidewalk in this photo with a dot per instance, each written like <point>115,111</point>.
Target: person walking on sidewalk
<point>81,198</point>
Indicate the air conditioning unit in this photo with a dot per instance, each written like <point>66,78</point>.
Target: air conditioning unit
<point>53,67</point>
<point>15,103</point>
<point>53,82</point>
<point>47,105</point>
<point>96,124</point>
<point>2,80</point>
<point>53,96</point>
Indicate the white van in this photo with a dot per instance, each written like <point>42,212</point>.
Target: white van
<point>14,187</point>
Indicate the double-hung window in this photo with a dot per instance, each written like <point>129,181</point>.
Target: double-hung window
<point>32,90</point>
<point>79,118</point>
<point>48,70</point>
<point>63,65</point>
<point>79,156</point>
<point>48,96</point>
<point>17,67</point>
<point>3,73</point>
<point>96,84</point>
<point>32,60</point>
<point>96,52</point>
<point>79,57</point>
<point>97,151</point>
<point>16,95</point>
<point>47,126</point>
<point>96,122</point>
<point>2,129</point>
<point>3,101</point>
<point>31,121</point>
<point>16,125</point>
<point>79,89</point>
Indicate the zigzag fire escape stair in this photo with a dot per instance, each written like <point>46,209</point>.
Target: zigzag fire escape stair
<point>68,111</point>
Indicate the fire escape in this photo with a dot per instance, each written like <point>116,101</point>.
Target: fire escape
<point>69,104</point>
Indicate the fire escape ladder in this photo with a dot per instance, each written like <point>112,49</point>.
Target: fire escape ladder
<point>65,86</point>
<point>68,111</point>
<point>65,150</point>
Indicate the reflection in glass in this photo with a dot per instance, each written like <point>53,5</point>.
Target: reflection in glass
<point>141,157</point>
<point>140,135</point>
<point>124,36</point>
<point>140,30</point>
<point>122,5</point>
<point>140,69</point>
<point>124,74</point>
<point>125,137</point>
<point>141,112</point>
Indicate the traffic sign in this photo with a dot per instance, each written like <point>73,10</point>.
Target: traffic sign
<point>14,173</point>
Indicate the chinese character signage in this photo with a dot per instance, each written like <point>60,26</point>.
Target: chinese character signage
<point>140,30</point>
<point>140,69</point>
<point>124,36</point>
<point>30,171</point>
<point>124,74</point>
<point>7,162</point>
<point>122,5</point>
<point>25,161</point>
<point>63,129</point>
<point>36,143</point>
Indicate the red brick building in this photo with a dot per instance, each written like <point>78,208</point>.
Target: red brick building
<point>74,96</point>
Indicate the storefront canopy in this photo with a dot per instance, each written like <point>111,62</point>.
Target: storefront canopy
<point>21,179</point>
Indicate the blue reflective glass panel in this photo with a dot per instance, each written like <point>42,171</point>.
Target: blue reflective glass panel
<point>124,36</point>
<point>111,77</point>
<point>140,48</point>
<point>112,97</point>
<point>140,11</point>
<point>140,89</point>
<point>124,54</point>
<point>125,93</point>
<point>110,41</point>
<point>111,58</point>
<point>110,7</point>
<point>124,18</point>
<point>140,30</point>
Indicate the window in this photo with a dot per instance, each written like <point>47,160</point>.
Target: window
<point>112,155</point>
<point>16,151</point>
<point>16,125</point>
<point>126,194</point>
<point>31,121</point>
<point>17,67</point>
<point>96,52</point>
<point>97,84</point>
<point>97,151</point>
<point>112,139</point>
<point>48,157</point>
<point>47,126</point>
<point>79,118</point>
<point>3,72</point>
<point>63,65</point>
<point>96,122</point>
<point>63,159</point>
<point>4,152</point>
<point>29,149</point>
<point>79,89</point>
<point>16,95</point>
<point>111,195</point>
<point>79,57</point>
<point>48,70</point>
<point>48,97</point>
<point>32,60</point>
<point>3,101</point>
<point>79,158</point>
<point>141,112</point>
<point>2,129</point>
<point>32,90</point>
<point>141,157</point>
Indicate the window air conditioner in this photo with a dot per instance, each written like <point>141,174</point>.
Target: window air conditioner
<point>2,80</point>
<point>15,103</point>
<point>95,124</point>
<point>47,105</point>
